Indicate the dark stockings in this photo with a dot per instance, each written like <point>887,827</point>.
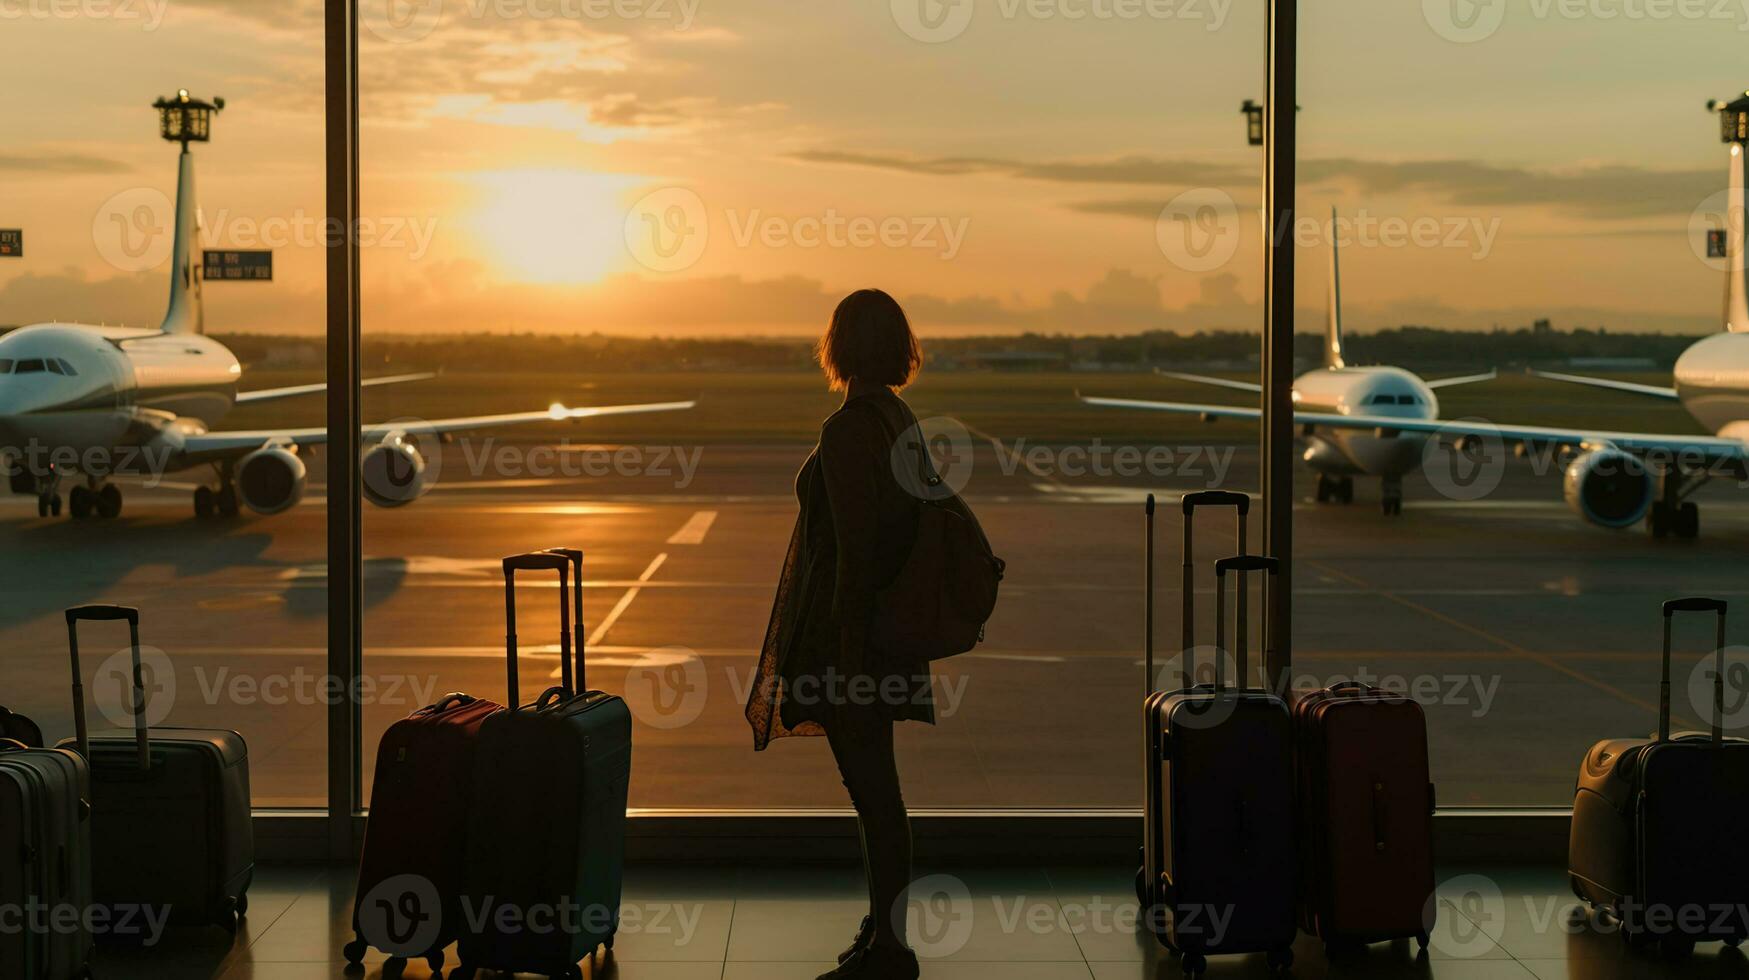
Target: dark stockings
<point>862,744</point>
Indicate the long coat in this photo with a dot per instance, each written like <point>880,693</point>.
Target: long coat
<point>852,536</point>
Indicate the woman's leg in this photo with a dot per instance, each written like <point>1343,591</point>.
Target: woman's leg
<point>862,743</point>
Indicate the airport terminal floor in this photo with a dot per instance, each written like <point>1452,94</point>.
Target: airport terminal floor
<point>1015,923</point>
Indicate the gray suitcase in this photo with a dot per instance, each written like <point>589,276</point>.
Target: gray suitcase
<point>45,863</point>
<point>186,790</point>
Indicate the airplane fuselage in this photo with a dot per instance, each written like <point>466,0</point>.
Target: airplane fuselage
<point>1371,391</point>
<point>73,388</point>
<point>1712,379</point>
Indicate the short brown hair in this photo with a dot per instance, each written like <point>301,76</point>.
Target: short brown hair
<point>869,340</point>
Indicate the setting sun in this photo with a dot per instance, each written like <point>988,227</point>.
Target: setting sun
<point>551,226</point>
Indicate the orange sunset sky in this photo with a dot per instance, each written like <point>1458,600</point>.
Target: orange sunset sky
<point>733,166</point>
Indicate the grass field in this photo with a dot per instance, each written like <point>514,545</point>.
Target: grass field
<point>779,408</point>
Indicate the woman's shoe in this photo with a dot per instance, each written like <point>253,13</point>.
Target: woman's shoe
<point>877,961</point>
<point>864,936</point>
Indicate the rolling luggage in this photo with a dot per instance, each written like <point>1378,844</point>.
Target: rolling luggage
<point>1366,816</point>
<point>419,811</point>
<point>1657,838</point>
<point>546,845</point>
<point>170,820</point>
<point>45,863</point>
<point>1219,861</point>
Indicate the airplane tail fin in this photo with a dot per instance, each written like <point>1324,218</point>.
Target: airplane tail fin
<point>1736,267</point>
<point>186,313</point>
<point>1333,327</point>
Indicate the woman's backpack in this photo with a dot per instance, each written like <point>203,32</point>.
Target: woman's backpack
<point>945,592</point>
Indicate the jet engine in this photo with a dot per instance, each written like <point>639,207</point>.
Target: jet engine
<point>1609,488</point>
<point>270,480</point>
<point>394,472</point>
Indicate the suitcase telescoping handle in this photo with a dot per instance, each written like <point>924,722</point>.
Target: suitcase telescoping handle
<point>575,557</point>
<point>1240,564</point>
<point>1700,605</point>
<point>537,562</point>
<point>1240,502</point>
<point>137,693</point>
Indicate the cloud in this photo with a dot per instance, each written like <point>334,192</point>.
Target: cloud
<point>78,164</point>
<point>1606,192</point>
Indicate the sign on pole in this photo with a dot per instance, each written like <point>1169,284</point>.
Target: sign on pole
<point>231,265</point>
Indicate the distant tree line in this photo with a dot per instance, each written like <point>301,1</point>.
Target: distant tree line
<point>1419,347</point>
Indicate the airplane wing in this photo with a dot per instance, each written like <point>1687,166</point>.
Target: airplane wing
<point>1203,379</point>
<point>1712,448</point>
<point>275,394</point>
<point>1468,379</point>
<point>211,447</point>
<point>1651,391</point>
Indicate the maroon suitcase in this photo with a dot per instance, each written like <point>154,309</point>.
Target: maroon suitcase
<point>416,839</point>
<point>1366,816</point>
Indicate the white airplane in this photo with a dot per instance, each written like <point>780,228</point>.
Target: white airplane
<point>143,402</point>
<point>1615,479</point>
<point>1339,452</point>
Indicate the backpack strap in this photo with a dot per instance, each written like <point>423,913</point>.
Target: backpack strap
<point>926,475</point>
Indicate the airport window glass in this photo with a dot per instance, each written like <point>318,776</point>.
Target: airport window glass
<point>586,210</point>
<point>233,607</point>
<point>1477,231</point>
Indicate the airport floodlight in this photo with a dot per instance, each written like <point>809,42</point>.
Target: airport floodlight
<point>1253,121</point>
<point>1733,118</point>
<point>185,120</point>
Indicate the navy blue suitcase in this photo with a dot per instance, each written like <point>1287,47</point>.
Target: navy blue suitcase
<point>547,836</point>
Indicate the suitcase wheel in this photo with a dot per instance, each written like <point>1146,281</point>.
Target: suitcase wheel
<point>1422,939</point>
<point>354,951</point>
<point>1734,941</point>
<point>394,966</point>
<point>435,963</point>
<point>462,972</point>
<point>242,905</point>
<point>1195,964</point>
<point>1676,947</point>
<point>1280,960</point>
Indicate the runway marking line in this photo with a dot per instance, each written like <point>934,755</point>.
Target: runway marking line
<point>622,605</point>
<point>694,530</point>
<point>1531,655</point>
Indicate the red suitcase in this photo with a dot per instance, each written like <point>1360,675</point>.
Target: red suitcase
<point>416,838</point>
<point>1366,816</point>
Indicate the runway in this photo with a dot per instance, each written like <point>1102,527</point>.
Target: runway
<point>1527,634</point>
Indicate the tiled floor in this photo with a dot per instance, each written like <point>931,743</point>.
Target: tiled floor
<point>1048,924</point>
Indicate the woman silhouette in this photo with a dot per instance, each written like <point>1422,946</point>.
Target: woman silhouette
<point>818,675</point>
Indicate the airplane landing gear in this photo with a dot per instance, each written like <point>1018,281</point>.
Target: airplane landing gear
<point>103,502</point>
<point>1336,490</point>
<point>1671,515</point>
<point>1392,499</point>
<point>210,503</point>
